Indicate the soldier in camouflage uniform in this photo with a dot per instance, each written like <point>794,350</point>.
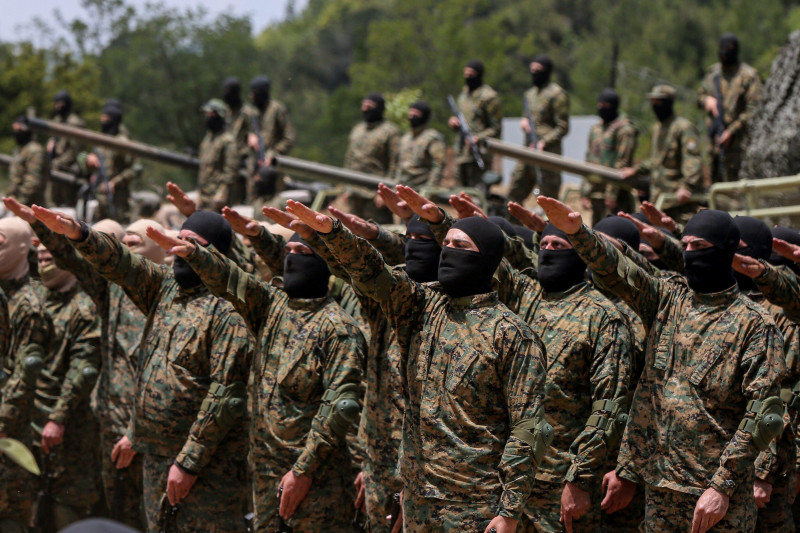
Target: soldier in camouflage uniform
<point>219,163</point>
<point>66,433</point>
<point>63,152</point>
<point>612,143</point>
<point>28,172</point>
<point>674,165</point>
<point>188,418</point>
<point>30,330</point>
<point>548,103</point>
<point>420,161</point>
<point>480,105</point>
<point>707,400</point>
<point>239,124</point>
<point>740,89</point>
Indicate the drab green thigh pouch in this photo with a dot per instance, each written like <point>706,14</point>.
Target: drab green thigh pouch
<point>228,403</point>
<point>767,422</point>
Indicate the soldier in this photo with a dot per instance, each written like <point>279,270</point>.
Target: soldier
<point>612,143</point>
<point>735,88</point>
<point>239,124</point>
<point>674,165</point>
<point>63,152</point>
<point>188,419</point>
<point>219,165</point>
<point>707,400</point>
<point>31,329</point>
<point>548,106</point>
<point>28,172</point>
<point>422,150</point>
<point>480,105</point>
<point>66,431</point>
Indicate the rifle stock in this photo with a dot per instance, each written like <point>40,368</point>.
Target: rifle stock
<point>466,133</point>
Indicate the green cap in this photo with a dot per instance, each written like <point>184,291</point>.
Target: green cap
<point>20,454</point>
<point>216,105</point>
<point>662,92</point>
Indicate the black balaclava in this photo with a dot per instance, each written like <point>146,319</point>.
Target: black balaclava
<point>473,82</point>
<point>465,272</point>
<point>305,275</point>
<point>608,113</point>
<point>213,228</point>
<point>22,137</point>
<point>504,225</point>
<point>621,229</point>
<point>758,238</point>
<point>542,77</point>
<point>728,51</point>
<point>424,108</point>
<point>214,122</point>
<point>113,109</point>
<point>709,270</point>
<point>663,109</point>
<point>374,114</point>
<point>259,88</point>
<point>559,270</point>
<point>790,235</point>
<point>422,255</point>
<point>526,234</point>
<point>232,92</point>
<point>66,109</point>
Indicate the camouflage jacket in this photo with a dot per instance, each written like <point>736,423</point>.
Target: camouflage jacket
<point>306,348</point>
<point>28,174</point>
<point>550,111</point>
<point>277,131</point>
<point>191,341</point>
<point>741,90</point>
<point>707,356</point>
<point>372,148</point>
<point>31,329</point>
<point>472,368</point>
<point>781,287</point>
<point>219,170</point>
<point>65,151</point>
<point>482,110</point>
<point>611,145</point>
<point>119,165</point>
<point>240,125</point>
<point>421,158</point>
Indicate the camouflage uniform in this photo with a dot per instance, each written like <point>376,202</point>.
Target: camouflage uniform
<point>65,158</point>
<point>191,342</point>
<point>741,90</point>
<point>420,161</point>
<point>472,370</point>
<point>781,287</point>
<point>372,148</point>
<point>113,397</point>
<point>31,329</point>
<point>121,171</point>
<point>550,111</point>
<point>219,170</point>
<point>62,396</point>
<point>481,108</point>
<point>28,174</point>
<point>706,356</point>
<point>611,145</point>
<point>277,135</point>
<point>308,348</point>
<point>239,126</point>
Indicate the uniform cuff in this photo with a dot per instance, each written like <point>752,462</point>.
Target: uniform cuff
<point>723,481</point>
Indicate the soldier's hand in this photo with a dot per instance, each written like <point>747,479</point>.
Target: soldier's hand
<point>240,223</point>
<point>561,215</point>
<point>575,503</point>
<point>710,509</point>
<point>786,249</point>
<point>295,490</point>
<point>454,123</point>
<point>288,221</point>
<point>627,172</point>
<point>659,218</point>
<point>123,453</point>
<point>394,203</point>
<point>179,483</point>
<point>465,206</point>
<point>618,492</point>
<point>762,491</point>
<point>58,222</point>
<point>426,209</point>
<point>749,266</point>
<point>526,217</point>
<point>360,490</point>
<point>525,125</point>
<point>502,524</point>
<point>52,435</point>
<point>92,161</point>
<point>355,223</point>
<point>180,199</point>
<point>654,237</point>
<point>724,139</point>
<point>172,245</point>
<point>710,105</point>
<point>540,145</point>
<point>51,144</point>
<point>252,141</point>
<point>316,221</point>
<point>22,211</point>
<point>683,195</point>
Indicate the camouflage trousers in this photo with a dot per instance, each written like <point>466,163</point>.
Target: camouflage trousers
<point>17,493</point>
<point>380,487</point>
<point>543,509</point>
<point>128,480</point>
<point>627,520</point>
<point>728,170</point>
<point>430,515</point>
<point>777,516</point>
<point>216,503</point>
<point>469,174</point>
<point>670,510</point>
<point>524,179</point>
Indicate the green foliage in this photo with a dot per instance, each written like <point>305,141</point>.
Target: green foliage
<point>397,105</point>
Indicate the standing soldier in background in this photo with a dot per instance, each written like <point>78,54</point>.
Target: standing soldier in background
<point>547,104</point>
<point>63,152</point>
<point>612,143</point>
<point>28,169</point>
<point>219,165</point>
<point>422,150</point>
<point>240,125</point>
<point>480,105</point>
<point>734,88</point>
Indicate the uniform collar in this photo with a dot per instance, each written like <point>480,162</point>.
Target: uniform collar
<point>717,299</point>
<point>11,286</point>
<point>476,300</point>
<point>308,304</point>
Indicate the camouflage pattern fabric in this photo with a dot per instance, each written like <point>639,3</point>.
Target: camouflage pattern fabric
<point>372,148</point>
<point>672,510</point>
<point>781,287</point>
<point>544,510</point>
<point>65,158</point>
<point>277,134</point>
<point>421,158</point>
<point>219,170</point>
<point>240,125</point>
<point>121,171</point>
<point>483,112</point>
<point>28,175</point>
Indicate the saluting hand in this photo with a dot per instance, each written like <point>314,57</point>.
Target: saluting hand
<point>172,245</point>
<point>22,211</point>
<point>561,215</point>
<point>749,266</point>
<point>648,233</point>
<point>526,217</point>
<point>426,209</point>
<point>355,223</point>
<point>58,222</point>
<point>288,221</point>
<point>787,250</point>
<point>659,218</point>
<point>465,206</point>
<point>180,199</point>
<point>316,221</point>
<point>394,203</point>
<point>240,223</point>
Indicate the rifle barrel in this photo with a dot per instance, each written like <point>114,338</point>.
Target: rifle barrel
<point>308,170</point>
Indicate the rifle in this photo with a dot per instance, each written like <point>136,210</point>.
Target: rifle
<point>394,512</point>
<point>718,127</point>
<point>44,520</point>
<point>531,138</point>
<point>466,134</point>
<point>282,527</point>
<point>165,520</point>
<point>359,523</point>
<point>118,504</point>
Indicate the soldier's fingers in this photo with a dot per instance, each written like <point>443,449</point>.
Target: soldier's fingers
<point>567,521</point>
<point>414,200</point>
<point>172,495</point>
<point>280,217</point>
<point>697,520</point>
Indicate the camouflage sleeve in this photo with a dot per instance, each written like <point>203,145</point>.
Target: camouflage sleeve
<point>440,229</point>
<point>229,353</point>
<point>127,171</point>
<point>288,133</point>
<point>346,354</point>
<point>349,161</point>
<point>706,89</point>
<point>271,249</point>
<point>511,285</point>
<point>32,181</point>
<point>691,161</point>
<point>437,152</point>
<point>672,254</point>
<point>781,287</point>
<point>640,260</point>
<point>626,146</point>
<point>520,256</point>
<point>319,246</point>
<point>643,168</point>
<point>753,93</point>
<point>391,245</point>
<point>641,291</point>
<point>560,103</point>
<point>493,113</point>
<point>83,331</point>
<point>140,277</point>
<point>392,153</point>
<point>230,166</point>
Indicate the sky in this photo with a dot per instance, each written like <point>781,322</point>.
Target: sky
<point>17,14</point>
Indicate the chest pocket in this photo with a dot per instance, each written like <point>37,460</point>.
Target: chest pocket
<point>184,347</point>
<point>464,366</point>
<point>300,374</point>
<point>709,355</point>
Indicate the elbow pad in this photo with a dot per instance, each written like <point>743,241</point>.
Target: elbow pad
<point>227,404</point>
<point>613,422</point>
<point>537,433</point>
<point>767,422</point>
<point>83,376</point>
<point>341,408</point>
